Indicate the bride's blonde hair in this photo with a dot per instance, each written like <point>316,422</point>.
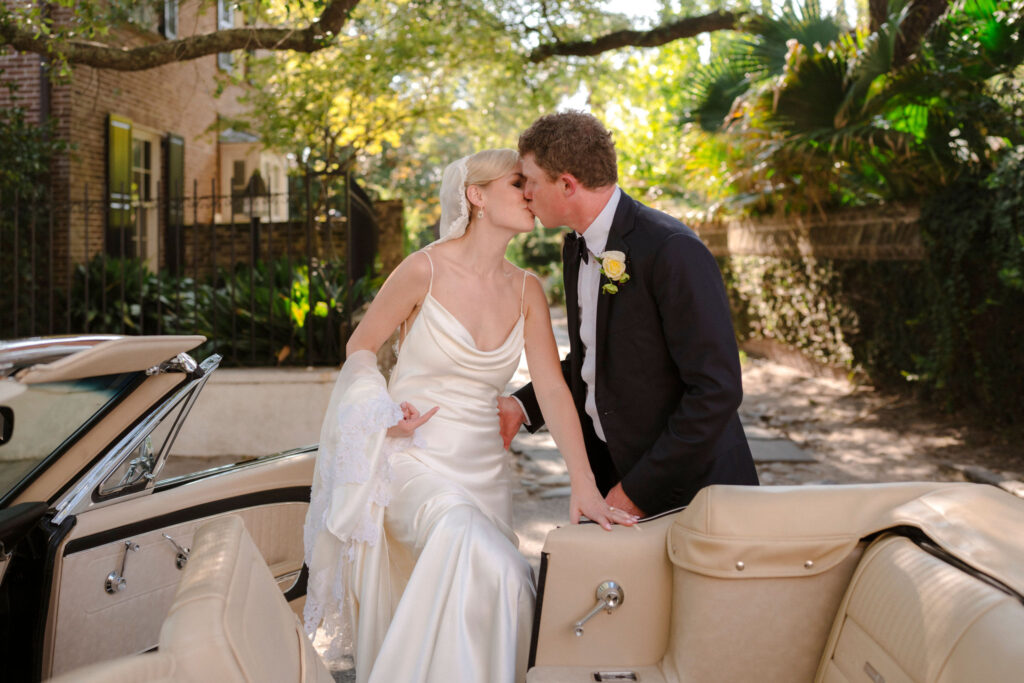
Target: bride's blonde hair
<point>477,169</point>
<point>490,164</point>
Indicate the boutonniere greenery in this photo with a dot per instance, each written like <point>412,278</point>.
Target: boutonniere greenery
<point>613,267</point>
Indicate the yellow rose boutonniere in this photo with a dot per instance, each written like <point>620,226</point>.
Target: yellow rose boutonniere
<point>613,267</point>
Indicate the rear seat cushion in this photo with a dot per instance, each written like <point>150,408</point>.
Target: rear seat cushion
<point>910,616</point>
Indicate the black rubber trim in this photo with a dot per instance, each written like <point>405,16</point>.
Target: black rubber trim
<point>294,494</point>
<point>535,635</point>
<point>927,544</point>
<point>298,589</point>
<point>57,537</point>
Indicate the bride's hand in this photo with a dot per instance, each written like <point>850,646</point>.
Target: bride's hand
<point>411,419</point>
<point>587,501</point>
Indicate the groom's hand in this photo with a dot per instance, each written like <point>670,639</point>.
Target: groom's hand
<point>510,419</point>
<point>617,498</point>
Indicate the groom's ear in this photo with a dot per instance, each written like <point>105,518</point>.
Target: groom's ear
<point>568,184</point>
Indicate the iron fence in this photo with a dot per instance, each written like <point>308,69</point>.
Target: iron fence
<point>269,277</point>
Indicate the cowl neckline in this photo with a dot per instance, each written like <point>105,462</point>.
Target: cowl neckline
<point>468,337</point>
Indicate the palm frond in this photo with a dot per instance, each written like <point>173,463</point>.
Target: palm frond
<point>711,91</point>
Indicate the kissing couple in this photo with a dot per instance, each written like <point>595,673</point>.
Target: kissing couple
<point>414,569</point>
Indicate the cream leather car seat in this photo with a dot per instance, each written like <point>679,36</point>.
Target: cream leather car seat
<point>229,623</point>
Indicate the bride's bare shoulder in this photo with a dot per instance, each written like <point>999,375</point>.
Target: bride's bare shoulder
<point>413,272</point>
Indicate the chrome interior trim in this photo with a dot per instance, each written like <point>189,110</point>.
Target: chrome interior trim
<point>291,578</point>
<point>230,467</point>
<point>79,497</point>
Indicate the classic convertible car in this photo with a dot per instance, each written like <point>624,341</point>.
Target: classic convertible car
<point>880,583</point>
<point>93,535</point>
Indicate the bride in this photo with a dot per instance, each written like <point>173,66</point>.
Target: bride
<point>413,565</point>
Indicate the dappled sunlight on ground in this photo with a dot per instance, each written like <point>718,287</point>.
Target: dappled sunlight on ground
<point>857,434</point>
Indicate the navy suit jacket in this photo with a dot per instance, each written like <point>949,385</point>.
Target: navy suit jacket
<point>668,380</point>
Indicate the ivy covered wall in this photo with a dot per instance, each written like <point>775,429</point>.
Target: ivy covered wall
<point>929,299</point>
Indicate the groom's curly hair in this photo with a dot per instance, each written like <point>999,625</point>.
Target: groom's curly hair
<point>572,142</point>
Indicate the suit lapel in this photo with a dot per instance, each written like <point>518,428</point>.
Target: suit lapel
<point>622,225</point>
<point>571,273</point>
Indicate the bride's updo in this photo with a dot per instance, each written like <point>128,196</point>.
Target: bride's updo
<point>476,169</point>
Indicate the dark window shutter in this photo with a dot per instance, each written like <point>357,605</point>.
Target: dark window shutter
<point>175,178</point>
<point>119,172</point>
<point>175,198</point>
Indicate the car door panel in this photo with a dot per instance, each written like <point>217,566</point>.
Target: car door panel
<point>90,624</point>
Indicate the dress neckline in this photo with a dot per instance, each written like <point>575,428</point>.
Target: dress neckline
<point>469,335</point>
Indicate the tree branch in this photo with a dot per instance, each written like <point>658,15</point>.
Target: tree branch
<point>686,27</point>
<point>319,34</point>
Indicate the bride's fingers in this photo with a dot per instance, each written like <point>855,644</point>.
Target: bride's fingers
<point>624,518</point>
<point>420,419</point>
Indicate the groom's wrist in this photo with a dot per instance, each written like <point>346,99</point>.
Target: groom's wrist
<point>522,408</point>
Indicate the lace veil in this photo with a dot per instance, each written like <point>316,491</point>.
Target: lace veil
<point>454,205</point>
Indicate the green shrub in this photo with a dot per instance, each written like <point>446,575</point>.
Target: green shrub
<point>264,315</point>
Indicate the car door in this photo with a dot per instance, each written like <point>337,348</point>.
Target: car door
<point>111,546</point>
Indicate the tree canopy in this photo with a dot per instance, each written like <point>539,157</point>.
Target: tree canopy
<point>539,30</point>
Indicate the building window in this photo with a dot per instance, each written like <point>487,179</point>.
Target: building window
<point>144,16</point>
<point>238,181</point>
<point>225,20</point>
<point>170,22</point>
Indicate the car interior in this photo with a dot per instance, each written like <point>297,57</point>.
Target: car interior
<point>108,572</point>
<point>883,582</point>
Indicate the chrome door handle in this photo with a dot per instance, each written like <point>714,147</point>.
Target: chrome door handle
<point>115,580</point>
<point>181,559</point>
<point>609,596</point>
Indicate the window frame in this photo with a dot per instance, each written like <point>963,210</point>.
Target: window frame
<point>225,20</point>
<point>169,24</point>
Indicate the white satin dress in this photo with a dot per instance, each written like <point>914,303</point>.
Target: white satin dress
<point>466,610</point>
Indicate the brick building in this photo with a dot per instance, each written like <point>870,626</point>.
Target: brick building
<point>142,141</point>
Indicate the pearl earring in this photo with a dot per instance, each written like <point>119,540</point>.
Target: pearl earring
<point>481,214</point>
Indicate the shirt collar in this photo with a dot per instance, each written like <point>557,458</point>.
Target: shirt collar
<point>596,233</point>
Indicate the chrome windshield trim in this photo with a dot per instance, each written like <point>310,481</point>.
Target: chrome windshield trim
<point>79,498</point>
<point>18,353</point>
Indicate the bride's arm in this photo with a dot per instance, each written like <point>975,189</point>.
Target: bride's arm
<point>560,414</point>
<point>394,303</point>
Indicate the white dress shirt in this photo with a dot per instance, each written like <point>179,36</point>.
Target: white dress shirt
<point>588,287</point>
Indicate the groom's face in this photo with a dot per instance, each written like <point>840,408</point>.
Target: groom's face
<point>543,194</point>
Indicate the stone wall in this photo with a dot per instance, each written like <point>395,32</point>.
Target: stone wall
<point>835,292</point>
<point>886,234</point>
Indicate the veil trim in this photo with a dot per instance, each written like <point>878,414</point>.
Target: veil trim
<point>454,204</point>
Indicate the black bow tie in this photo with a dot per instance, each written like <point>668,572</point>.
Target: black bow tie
<point>582,253</point>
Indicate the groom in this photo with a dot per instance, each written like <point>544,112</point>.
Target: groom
<point>653,365</point>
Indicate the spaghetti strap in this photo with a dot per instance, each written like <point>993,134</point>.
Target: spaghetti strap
<point>522,295</point>
<point>430,286</point>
